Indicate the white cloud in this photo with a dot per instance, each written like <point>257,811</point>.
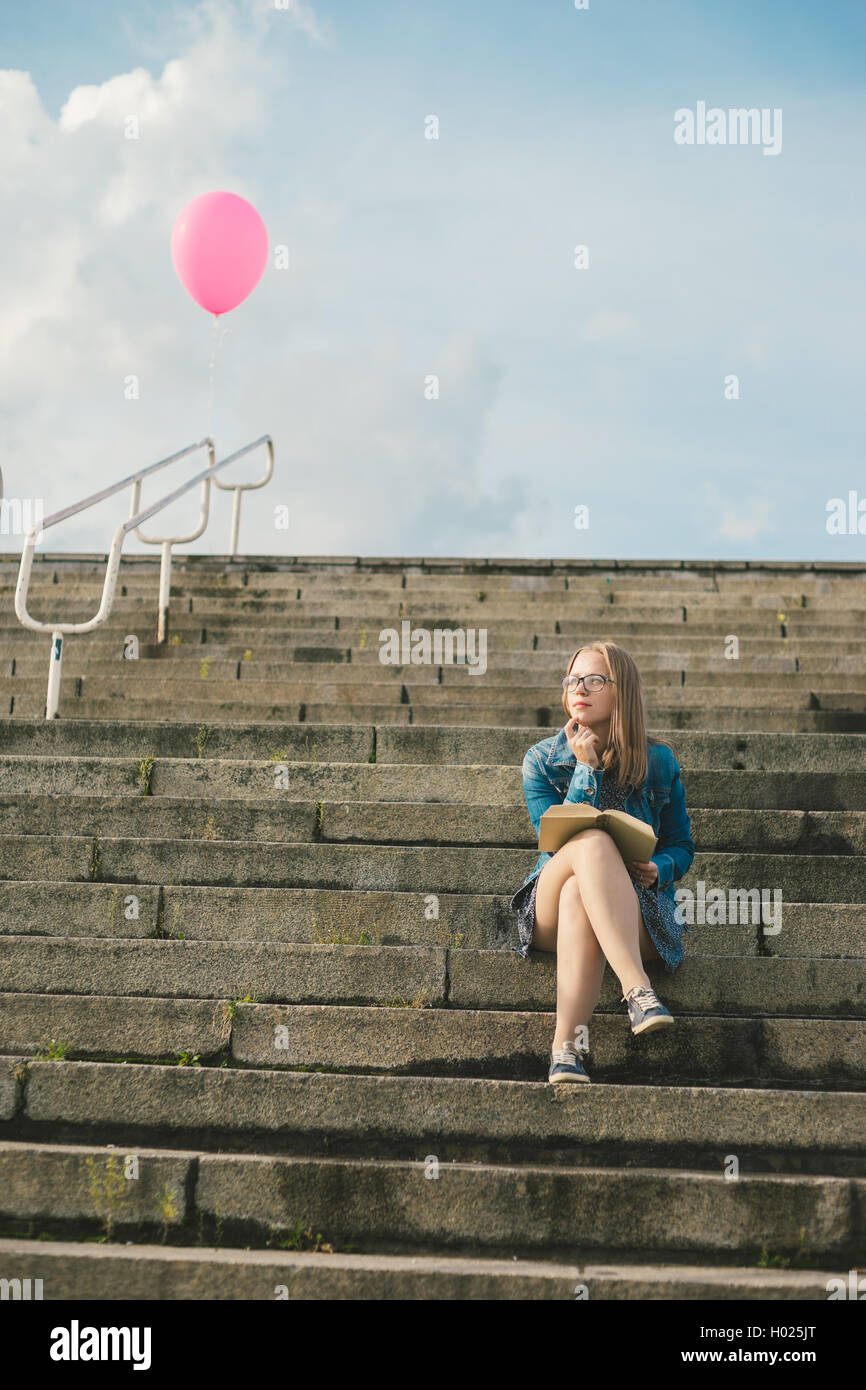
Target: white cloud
<point>304,18</point>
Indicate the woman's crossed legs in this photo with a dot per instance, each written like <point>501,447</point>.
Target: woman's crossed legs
<point>587,911</point>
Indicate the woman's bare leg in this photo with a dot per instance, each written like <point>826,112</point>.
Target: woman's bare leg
<point>609,901</point>
<point>580,965</point>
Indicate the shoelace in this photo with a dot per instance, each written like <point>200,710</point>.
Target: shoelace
<point>646,998</point>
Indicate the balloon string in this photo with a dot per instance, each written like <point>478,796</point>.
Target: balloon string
<point>216,344</point>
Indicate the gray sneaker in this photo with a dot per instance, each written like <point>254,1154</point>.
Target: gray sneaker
<point>646,1010</point>
<point>566,1064</point>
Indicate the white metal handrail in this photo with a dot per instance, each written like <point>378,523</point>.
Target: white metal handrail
<point>59,629</point>
<point>168,541</point>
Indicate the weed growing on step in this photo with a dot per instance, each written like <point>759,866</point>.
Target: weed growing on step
<point>189,1059</point>
<point>202,738</point>
<point>108,1191</point>
<point>301,1238</point>
<point>455,940</point>
<point>800,1259</point>
<point>363,642</point>
<point>421,1001</point>
<point>320,817</point>
<point>159,931</point>
<point>95,856</point>
<point>29,1234</point>
<point>248,656</point>
<point>209,833</point>
<point>231,1007</point>
<point>335,937</point>
<point>53,1052</point>
<point>145,773</point>
<point>204,669</point>
<point>772,1261</point>
<point>167,1210</point>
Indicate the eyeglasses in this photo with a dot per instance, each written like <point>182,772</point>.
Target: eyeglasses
<point>590,683</point>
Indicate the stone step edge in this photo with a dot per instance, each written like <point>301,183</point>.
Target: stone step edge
<point>415,1273</point>
<point>228,1049</point>
<point>275,563</point>
<point>192,1169</point>
<point>374,846</point>
<point>339,947</point>
<point>21,1065</point>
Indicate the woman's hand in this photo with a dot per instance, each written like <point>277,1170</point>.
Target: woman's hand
<point>582,742</point>
<point>645,874</point>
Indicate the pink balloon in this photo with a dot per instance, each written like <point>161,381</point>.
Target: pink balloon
<point>219,246</point>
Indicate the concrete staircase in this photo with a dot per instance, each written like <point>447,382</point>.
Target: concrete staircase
<point>261,1031</point>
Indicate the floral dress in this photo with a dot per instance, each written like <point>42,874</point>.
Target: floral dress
<point>659,913</point>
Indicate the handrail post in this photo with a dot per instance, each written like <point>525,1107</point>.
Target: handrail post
<point>164,594</point>
<point>52,699</point>
<point>240,488</point>
<point>166,543</point>
<point>236,522</point>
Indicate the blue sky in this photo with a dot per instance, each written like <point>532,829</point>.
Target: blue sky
<point>558,387</point>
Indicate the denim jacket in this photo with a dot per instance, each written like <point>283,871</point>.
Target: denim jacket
<point>552,776</point>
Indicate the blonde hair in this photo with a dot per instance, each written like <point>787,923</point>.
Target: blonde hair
<point>628,734</point>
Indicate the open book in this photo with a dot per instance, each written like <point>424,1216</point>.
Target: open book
<point>633,838</point>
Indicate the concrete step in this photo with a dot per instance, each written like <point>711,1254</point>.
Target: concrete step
<point>401,1206</point>
<point>396,868</point>
<point>179,1273</point>
<point>821,655</point>
<point>827,1054</point>
<point>733,571</point>
<point>420,783</point>
<point>413,976</point>
<point>428,699</point>
<point>237,1108</point>
<point>349,599</point>
<point>797,588</point>
<point>434,681</point>
<point>345,917</point>
<point>428,744</point>
<point>557,613</point>
<point>277,817</point>
<point>203,707</point>
<point>221,681</point>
